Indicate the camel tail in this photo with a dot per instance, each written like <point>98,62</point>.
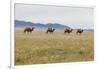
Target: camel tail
<point>24,31</point>
<point>47,32</point>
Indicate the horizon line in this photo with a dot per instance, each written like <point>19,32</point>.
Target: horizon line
<point>49,23</point>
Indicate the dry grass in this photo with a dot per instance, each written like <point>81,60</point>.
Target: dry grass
<point>42,48</point>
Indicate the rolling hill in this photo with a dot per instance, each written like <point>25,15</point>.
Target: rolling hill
<point>21,24</point>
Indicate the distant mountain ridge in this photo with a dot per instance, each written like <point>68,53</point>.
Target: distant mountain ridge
<point>21,24</point>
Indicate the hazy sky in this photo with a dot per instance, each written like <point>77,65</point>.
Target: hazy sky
<point>74,17</point>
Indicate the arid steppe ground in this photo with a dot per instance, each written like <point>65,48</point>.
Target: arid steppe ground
<point>41,48</point>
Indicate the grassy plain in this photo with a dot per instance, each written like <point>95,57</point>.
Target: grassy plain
<point>41,48</point>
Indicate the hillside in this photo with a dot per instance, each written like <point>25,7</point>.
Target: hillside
<point>21,24</point>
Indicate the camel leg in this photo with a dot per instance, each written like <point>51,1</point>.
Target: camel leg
<point>64,32</point>
<point>30,32</point>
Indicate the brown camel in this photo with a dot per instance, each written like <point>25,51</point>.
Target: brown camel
<point>28,29</point>
<point>80,31</point>
<point>50,30</point>
<point>68,31</point>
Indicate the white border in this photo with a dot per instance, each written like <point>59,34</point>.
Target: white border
<point>12,34</point>
<point>39,66</point>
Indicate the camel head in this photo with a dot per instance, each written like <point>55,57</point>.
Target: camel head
<point>71,30</point>
<point>53,29</point>
<point>82,30</point>
<point>32,28</point>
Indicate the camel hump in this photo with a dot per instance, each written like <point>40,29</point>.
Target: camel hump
<point>68,30</point>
